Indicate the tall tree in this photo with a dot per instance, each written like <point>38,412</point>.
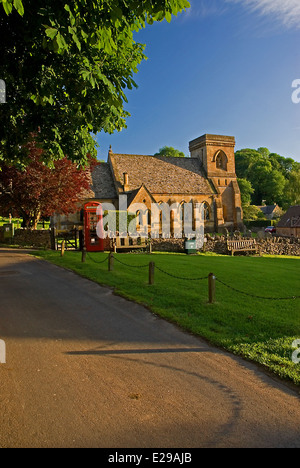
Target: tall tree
<point>282,164</point>
<point>246,191</point>
<point>170,151</point>
<point>39,190</point>
<point>266,172</point>
<point>67,66</point>
<point>293,188</point>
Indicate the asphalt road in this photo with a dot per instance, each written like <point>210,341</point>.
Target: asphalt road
<point>85,368</point>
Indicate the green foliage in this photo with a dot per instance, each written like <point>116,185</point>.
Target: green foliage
<point>8,6</point>
<point>67,67</point>
<point>274,178</point>
<point>246,191</point>
<point>252,213</point>
<point>293,187</point>
<point>263,223</point>
<point>264,151</point>
<point>170,152</point>
<point>18,222</point>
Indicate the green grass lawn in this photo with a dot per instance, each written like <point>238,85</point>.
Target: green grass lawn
<point>261,330</point>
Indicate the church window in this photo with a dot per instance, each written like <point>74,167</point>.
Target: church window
<point>139,219</point>
<point>206,212</point>
<point>148,212</point>
<point>221,160</point>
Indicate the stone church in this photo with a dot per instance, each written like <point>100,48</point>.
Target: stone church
<point>207,176</point>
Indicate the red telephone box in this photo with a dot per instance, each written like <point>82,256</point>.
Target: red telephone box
<point>93,219</point>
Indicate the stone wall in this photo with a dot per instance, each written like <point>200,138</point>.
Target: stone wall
<point>1,234</point>
<point>29,238</point>
<point>168,245</point>
<point>273,245</point>
<point>280,246</point>
<point>217,244</point>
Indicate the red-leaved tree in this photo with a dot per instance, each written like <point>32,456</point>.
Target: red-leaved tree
<point>39,190</point>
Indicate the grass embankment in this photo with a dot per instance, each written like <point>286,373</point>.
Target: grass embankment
<point>261,330</point>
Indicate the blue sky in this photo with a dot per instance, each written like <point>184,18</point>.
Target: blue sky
<point>223,67</point>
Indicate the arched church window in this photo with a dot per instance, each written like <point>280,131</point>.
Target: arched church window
<point>148,213</point>
<point>206,212</point>
<point>181,211</point>
<point>139,218</point>
<point>221,160</point>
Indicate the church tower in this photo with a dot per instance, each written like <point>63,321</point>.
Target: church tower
<point>216,157</point>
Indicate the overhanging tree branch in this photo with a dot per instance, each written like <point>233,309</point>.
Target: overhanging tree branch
<point>68,66</point>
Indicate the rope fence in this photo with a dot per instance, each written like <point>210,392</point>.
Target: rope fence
<point>84,253</point>
<point>258,297</point>
<point>180,277</point>
<point>212,279</point>
<point>131,266</point>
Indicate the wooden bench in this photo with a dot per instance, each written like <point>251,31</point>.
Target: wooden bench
<point>242,245</point>
<point>129,243</point>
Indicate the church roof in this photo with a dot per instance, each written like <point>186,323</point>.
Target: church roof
<point>102,182</point>
<point>160,174</point>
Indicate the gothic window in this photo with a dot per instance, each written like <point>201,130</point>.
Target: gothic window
<point>221,160</point>
<point>206,212</point>
<point>160,215</point>
<point>139,219</point>
<point>181,211</point>
<point>148,212</point>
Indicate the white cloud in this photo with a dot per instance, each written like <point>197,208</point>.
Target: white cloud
<point>286,11</point>
<point>205,8</point>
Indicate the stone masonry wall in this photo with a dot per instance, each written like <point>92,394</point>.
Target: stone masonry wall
<point>270,245</point>
<point>168,245</point>
<point>280,246</point>
<point>273,245</point>
<point>29,238</point>
<point>217,244</point>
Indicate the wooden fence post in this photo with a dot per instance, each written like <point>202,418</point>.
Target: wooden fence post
<point>110,261</point>
<point>83,257</point>
<point>62,248</point>
<point>52,239</point>
<point>151,272</point>
<point>211,288</point>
